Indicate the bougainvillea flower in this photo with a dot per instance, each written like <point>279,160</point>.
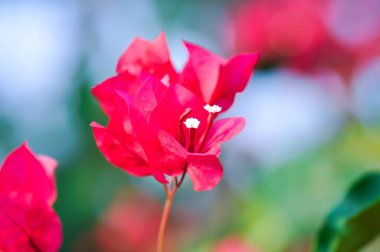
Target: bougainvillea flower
<point>141,56</point>
<point>151,134</point>
<point>311,36</point>
<point>163,128</point>
<point>279,27</point>
<point>27,193</point>
<point>215,79</point>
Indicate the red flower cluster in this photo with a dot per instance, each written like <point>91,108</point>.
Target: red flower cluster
<point>304,34</point>
<point>27,193</point>
<point>163,122</point>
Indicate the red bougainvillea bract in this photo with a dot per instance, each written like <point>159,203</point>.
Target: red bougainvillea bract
<point>162,123</point>
<point>27,193</point>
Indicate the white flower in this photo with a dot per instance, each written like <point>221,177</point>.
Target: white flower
<point>192,123</point>
<point>213,108</point>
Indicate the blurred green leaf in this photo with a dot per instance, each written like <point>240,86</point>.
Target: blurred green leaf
<point>355,221</point>
<point>5,132</point>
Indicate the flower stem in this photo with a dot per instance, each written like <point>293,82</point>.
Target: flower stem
<point>164,219</point>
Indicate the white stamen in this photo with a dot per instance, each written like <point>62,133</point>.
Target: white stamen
<point>213,108</point>
<point>192,123</point>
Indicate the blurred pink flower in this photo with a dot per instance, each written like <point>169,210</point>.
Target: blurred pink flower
<point>279,29</point>
<point>131,223</point>
<point>233,244</point>
<point>300,34</point>
<point>27,193</point>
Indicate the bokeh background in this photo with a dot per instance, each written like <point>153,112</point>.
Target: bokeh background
<point>312,110</point>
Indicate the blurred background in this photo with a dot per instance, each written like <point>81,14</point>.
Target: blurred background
<point>312,110</point>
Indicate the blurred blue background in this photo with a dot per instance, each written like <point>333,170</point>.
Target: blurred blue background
<point>312,110</point>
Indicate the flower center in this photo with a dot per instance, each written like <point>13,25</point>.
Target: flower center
<point>212,109</point>
<point>192,123</point>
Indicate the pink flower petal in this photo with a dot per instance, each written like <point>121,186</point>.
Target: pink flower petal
<point>22,171</point>
<point>205,171</point>
<point>213,78</point>
<point>150,94</point>
<point>152,57</point>
<point>105,92</point>
<point>123,152</point>
<point>201,73</point>
<point>223,130</point>
<point>169,156</point>
<point>28,224</point>
<point>234,77</point>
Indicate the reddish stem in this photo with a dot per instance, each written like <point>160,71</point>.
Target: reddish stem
<point>164,218</point>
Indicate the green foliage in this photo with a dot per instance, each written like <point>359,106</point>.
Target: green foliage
<point>355,221</point>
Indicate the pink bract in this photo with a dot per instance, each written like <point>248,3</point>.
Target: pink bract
<point>215,79</point>
<point>150,131</point>
<point>27,193</point>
